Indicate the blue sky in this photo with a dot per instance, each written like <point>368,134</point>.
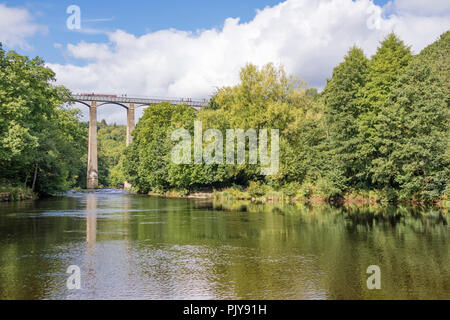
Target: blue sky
<point>134,16</point>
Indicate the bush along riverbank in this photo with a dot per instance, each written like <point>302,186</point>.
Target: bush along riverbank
<point>10,193</point>
<point>259,192</point>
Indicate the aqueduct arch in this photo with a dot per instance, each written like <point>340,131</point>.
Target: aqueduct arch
<point>94,101</point>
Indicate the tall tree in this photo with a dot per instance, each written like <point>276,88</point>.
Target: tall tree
<point>265,98</point>
<point>148,158</point>
<point>384,69</point>
<point>341,98</point>
<point>414,127</point>
<point>40,141</point>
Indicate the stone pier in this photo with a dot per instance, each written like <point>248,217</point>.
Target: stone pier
<point>92,167</point>
<point>130,123</point>
<point>130,128</point>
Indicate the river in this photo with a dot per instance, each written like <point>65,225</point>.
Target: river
<point>139,247</point>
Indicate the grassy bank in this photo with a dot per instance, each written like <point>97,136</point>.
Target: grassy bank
<point>361,197</point>
<point>258,192</point>
<point>14,193</point>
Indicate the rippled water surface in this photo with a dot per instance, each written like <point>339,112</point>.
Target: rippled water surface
<point>138,247</point>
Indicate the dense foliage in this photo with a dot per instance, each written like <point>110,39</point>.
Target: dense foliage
<point>41,143</point>
<point>380,124</point>
<point>111,147</point>
<point>147,164</point>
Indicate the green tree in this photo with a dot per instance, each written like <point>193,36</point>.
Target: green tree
<point>265,98</point>
<point>413,127</point>
<point>147,160</point>
<point>40,140</point>
<point>342,109</point>
<point>384,69</point>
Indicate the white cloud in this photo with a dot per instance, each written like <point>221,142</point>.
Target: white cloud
<point>308,37</point>
<point>16,25</point>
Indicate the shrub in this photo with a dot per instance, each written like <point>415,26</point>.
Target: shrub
<point>306,190</point>
<point>291,189</point>
<point>327,189</point>
<point>256,189</point>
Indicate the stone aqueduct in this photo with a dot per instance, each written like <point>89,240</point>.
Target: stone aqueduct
<point>94,101</point>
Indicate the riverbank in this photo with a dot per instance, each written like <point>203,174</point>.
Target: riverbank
<point>10,194</point>
<point>267,194</point>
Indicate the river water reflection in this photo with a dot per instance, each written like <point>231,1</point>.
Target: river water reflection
<point>138,247</point>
